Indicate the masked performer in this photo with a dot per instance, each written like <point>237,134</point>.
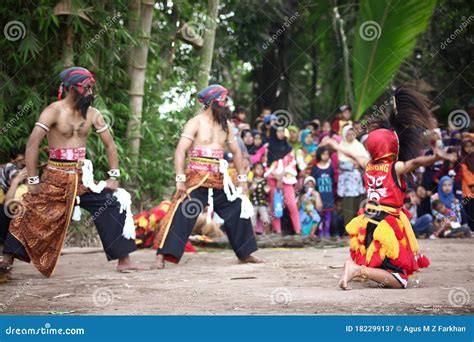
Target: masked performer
<point>38,232</point>
<point>383,246</point>
<point>206,181</point>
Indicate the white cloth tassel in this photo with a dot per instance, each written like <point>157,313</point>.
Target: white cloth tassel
<point>88,178</point>
<point>246,210</point>
<point>210,203</point>
<point>232,193</point>
<point>76,215</point>
<point>125,200</point>
<point>122,196</point>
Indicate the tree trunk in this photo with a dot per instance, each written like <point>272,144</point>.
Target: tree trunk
<point>68,49</point>
<point>139,57</point>
<point>345,50</point>
<point>133,28</point>
<point>208,47</point>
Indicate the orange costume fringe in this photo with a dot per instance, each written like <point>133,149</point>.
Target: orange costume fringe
<point>393,241</point>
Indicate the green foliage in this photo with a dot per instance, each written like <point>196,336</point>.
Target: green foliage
<point>385,36</point>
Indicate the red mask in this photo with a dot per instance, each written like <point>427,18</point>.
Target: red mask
<point>382,143</point>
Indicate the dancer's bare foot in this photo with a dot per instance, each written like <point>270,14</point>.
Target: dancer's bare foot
<point>251,260</point>
<point>5,272</point>
<point>125,264</point>
<point>159,262</point>
<point>351,270</point>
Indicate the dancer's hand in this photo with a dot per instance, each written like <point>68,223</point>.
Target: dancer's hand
<point>34,189</point>
<point>112,184</point>
<point>180,189</point>
<point>452,157</point>
<point>244,187</point>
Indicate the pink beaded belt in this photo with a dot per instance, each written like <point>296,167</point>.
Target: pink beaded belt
<point>203,164</point>
<point>206,153</point>
<point>68,153</point>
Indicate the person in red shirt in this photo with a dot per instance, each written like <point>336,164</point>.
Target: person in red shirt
<point>383,247</point>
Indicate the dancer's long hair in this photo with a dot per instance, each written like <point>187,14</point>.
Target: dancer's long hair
<point>410,117</point>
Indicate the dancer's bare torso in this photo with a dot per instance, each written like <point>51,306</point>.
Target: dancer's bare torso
<point>207,133</point>
<point>68,129</point>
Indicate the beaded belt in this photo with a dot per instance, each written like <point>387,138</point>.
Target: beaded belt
<point>206,153</point>
<point>72,154</point>
<point>203,164</point>
<point>69,166</point>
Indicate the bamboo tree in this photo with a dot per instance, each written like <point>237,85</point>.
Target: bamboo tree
<point>208,47</point>
<point>139,55</point>
<point>345,50</point>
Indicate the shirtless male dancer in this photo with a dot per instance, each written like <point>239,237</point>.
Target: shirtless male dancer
<point>205,182</point>
<point>38,232</point>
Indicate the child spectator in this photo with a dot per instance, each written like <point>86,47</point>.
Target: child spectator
<point>323,173</point>
<point>309,204</point>
<point>305,155</point>
<point>449,222</point>
<point>325,129</point>
<point>282,175</point>
<point>240,114</point>
<point>452,169</point>
<point>258,195</point>
<point>343,118</point>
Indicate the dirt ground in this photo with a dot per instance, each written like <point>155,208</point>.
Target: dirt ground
<point>293,282</point>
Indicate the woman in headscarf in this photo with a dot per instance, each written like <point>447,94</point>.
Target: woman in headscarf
<point>467,170</point>
<point>247,138</point>
<point>293,139</point>
<point>305,155</point>
<point>446,209</point>
<point>350,185</point>
<point>282,175</point>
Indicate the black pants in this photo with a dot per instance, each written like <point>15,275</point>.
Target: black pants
<point>104,209</point>
<point>4,223</point>
<point>238,230</point>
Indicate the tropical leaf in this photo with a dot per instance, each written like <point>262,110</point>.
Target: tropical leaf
<point>385,36</point>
